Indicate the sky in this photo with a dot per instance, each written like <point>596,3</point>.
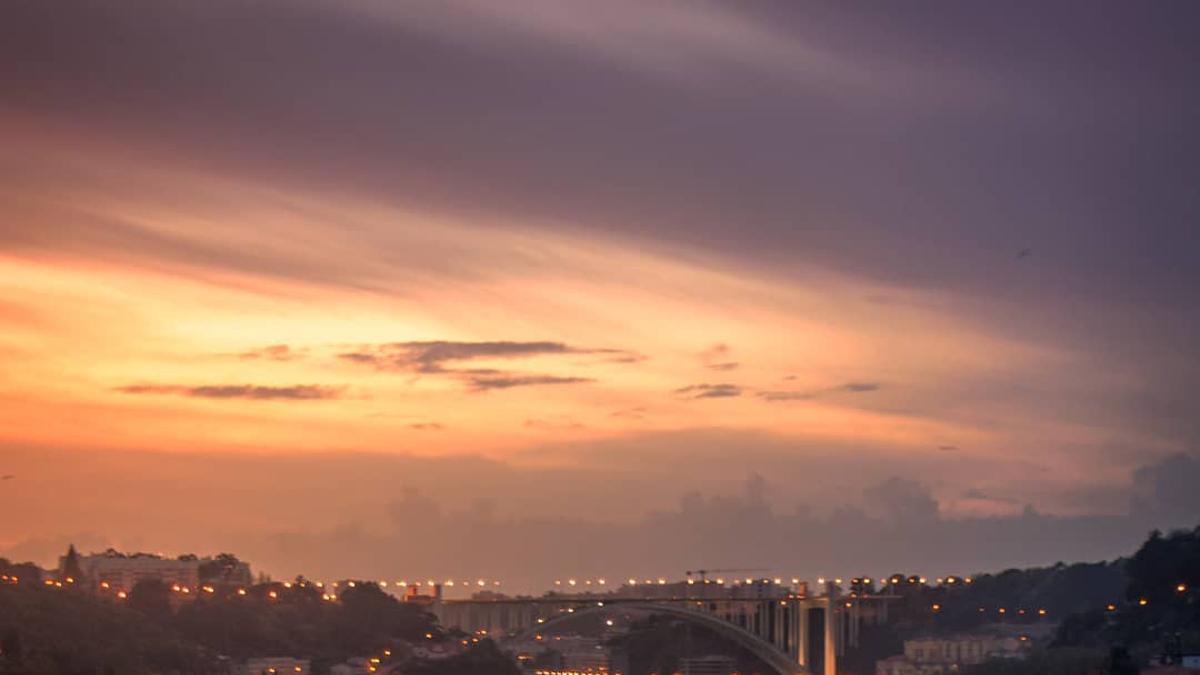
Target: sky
<point>550,288</point>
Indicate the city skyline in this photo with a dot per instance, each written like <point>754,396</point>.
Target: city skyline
<point>558,285</point>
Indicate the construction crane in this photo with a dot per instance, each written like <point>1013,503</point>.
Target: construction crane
<point>703,574</point>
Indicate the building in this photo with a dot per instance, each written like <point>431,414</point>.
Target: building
<point>573,654</point>
<point>116,572</point>
<point>1176,664</point>
<point>942,655</point>
<point>273,665</point>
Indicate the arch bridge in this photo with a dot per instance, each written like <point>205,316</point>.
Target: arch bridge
<point>793,635</point>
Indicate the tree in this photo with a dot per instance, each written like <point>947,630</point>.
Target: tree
<point>483,658</point>
<point>151,597</point>
<point>70,565</point>
<point>219,568</point>
<point>10,645</point>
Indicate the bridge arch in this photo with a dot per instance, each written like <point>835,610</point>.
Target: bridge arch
<point>780,662</point>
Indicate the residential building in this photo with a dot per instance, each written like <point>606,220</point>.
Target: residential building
<point>113,571</point>
<point>943,655</point>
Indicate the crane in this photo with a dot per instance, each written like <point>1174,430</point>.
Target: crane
<point>704,573</point>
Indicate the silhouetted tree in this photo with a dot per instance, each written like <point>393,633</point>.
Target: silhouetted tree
<point>483,658</point>
<point>10,644</point>
<point>70,566</point>
<point>151,597</point>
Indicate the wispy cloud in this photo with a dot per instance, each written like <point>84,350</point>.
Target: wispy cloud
<point>791,395</point>
<point>432,356</point>
<point>299,392</point>
<point>717,357</point>
<point>697,391</point>
<point>510,381</point>
<point>437,358</point>
<point>272,353</point>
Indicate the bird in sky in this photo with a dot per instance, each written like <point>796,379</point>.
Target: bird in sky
<point>1024,253</point>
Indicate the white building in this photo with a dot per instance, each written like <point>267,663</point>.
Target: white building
<point>114,571</point>
<point>942,655</point>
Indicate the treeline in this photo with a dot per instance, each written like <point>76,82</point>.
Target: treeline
<point>1155,617</point>
<point>1158,614</point>
<point>67,631</point>
<point>1014,596</point>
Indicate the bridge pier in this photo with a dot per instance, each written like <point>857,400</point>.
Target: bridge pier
<point>802,652</point>
<point>831,650</point>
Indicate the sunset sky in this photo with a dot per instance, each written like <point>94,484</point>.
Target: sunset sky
<point>286,276</point>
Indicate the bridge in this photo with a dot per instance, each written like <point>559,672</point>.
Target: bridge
<point>790,631</point>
